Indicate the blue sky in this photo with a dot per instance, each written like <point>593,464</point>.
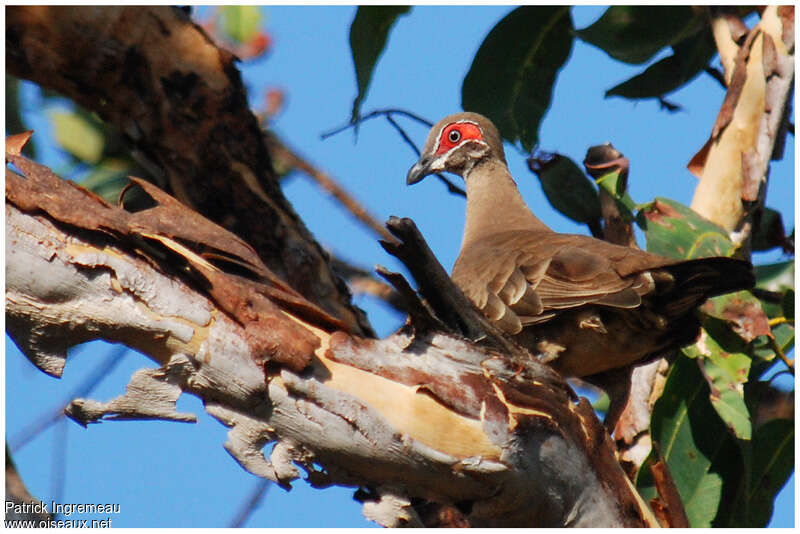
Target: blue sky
<point>169,474</point>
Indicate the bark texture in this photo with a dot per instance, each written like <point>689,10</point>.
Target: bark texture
<point>751,125</point>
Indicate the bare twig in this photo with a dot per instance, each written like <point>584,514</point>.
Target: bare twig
<point>363,281</point>
<point>328,184</point>
<point>47,420</point>
<point>377,113</point>
<point>670,107</point>
<point>717,75</point>
<point>780,320</point>
<point>451,187</point>
<point>251,503</point>
<point>422,317</point>
<point>59,459</point>
<point>775,347</point>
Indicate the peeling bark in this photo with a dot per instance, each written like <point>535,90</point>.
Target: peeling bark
<point>415,416</point>
<point>734,163</point>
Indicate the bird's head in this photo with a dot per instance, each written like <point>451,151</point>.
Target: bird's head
<point>455,144</point>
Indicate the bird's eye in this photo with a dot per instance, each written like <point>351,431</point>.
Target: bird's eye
<point>454,136</point>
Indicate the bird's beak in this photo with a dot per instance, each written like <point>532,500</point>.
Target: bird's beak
<point>420,170</point>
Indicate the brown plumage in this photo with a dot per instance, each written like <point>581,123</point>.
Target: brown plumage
<point>587,305</point>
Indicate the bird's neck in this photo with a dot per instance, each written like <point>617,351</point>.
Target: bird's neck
<point>494,204</point>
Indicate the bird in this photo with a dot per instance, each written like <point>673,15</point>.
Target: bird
<point>583,305</point>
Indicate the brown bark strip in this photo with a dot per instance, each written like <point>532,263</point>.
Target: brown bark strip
<point>670,508</point>
<point>179,100</point>
<point>735,86</point>
<point>171,230</point>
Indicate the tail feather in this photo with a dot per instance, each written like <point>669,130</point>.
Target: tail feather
<point>697,280</point>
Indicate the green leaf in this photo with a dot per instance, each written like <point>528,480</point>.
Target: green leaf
<point>79,135</point>
<point>772,464</point>
<point>674,230</point>
<point>611,184</point>
<point>512,76</point>
<point>108,178</point>
<point>700,453</point>
<point>368,34</point>
<point>742,311</point>
<point>720,353</point>
<point>241,23</point>
<point>602,403</point>
<point>688,59</point>
<point>769,231</point>
<point>776,277</point>
<point>784,337</point>
<point>567,188</point>
<point>634,34</point>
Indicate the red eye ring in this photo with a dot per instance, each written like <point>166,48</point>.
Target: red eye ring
<point>457,132</point>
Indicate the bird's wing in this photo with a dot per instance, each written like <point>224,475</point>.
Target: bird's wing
<point>523,278</point>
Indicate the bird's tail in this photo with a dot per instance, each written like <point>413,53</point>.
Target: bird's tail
<point>694,281</point>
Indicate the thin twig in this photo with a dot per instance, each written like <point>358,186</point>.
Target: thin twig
<point>43,423</point>
<point>403,134</point>
<point>362,281</point>
<point>329,185</point>
<point>451,187</point>
<point>775,347</point>
<point>372,115</point>
<point>250,504</point>
<point>717,75</point>
<point>59,461</point>
<point>780,320</point>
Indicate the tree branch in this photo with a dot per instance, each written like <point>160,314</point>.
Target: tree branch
<point>733,164</point>
<point>280,150</point>
<point>427,416</point>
